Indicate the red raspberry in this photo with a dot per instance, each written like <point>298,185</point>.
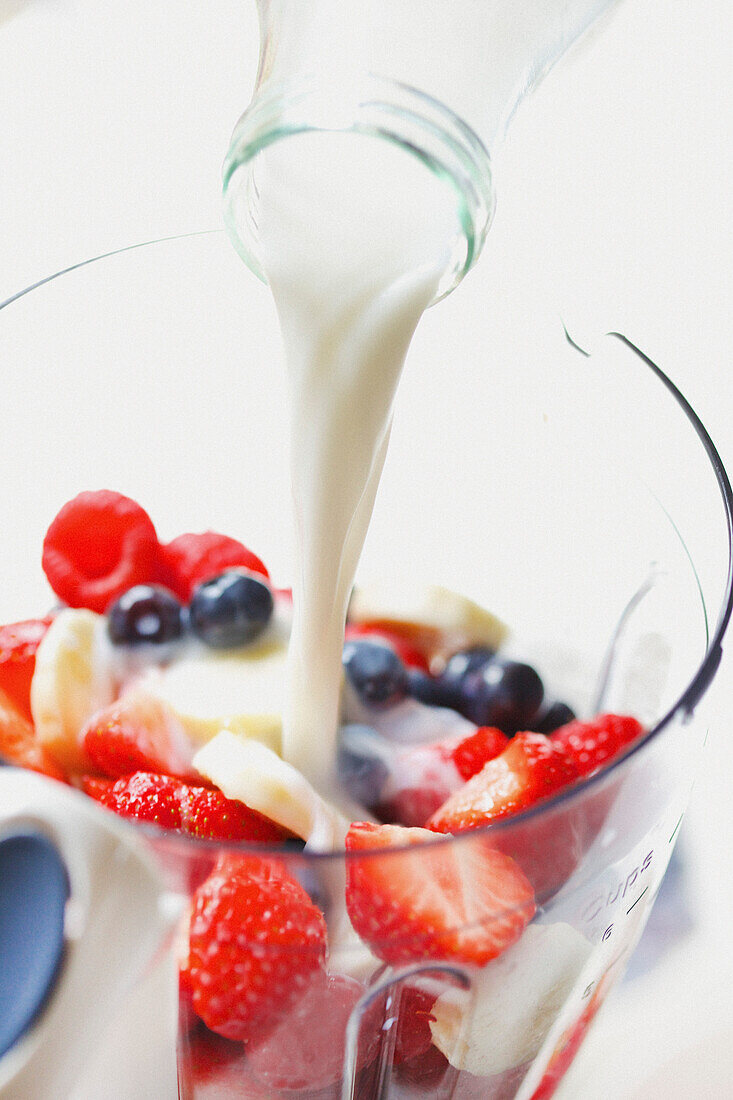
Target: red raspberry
<point>99,545</point>
<point>18,645</point>
<point>594,743</point>
<point>256,941</point>
<point>192,558</point>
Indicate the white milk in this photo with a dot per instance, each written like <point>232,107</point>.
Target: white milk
<point>355,235</point>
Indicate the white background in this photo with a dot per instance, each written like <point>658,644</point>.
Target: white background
<point>114,118</point>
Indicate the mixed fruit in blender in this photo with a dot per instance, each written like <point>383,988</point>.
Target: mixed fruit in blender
<point>157,686</point>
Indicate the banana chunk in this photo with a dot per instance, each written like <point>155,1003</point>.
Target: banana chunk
<point>73,678</point>
<point>517,998</point>
<point>252,773</point>
<point>242,691</point>
<point>434,618</point>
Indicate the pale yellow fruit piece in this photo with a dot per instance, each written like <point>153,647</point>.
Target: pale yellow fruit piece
<point>515,1001</point>
<point>73,679</point>
<point>252,773</point>
<point>242,691</point>
<point>436,619</point>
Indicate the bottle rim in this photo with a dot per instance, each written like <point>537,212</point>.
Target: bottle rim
<point>374,107</point>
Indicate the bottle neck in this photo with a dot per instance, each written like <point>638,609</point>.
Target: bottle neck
<point>377,109</point>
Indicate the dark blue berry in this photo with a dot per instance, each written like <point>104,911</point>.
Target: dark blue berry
<point>468,660</point>
<point>554,716</point>
<point>375,672</point>
<point>361,761</point>
<point>231,609</point>
<point>145,613</point>
<point>502,693</point>
<point>431,690</point>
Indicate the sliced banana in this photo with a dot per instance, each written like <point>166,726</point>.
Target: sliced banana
<point>73,678</point>
<point>437,619</point>
<point>516,1000</point>
<point>242,691</point>
<point>252,773</point>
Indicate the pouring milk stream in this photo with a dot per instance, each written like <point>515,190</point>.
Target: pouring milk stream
<point>377,202</point>
<point>350,286</point>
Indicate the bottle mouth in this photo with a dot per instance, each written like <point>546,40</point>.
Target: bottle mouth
<point>374,107</point>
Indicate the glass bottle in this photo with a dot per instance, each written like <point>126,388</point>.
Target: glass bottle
<point>440,80</point>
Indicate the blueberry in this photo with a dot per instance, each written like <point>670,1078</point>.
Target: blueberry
<point>554,716</point>
<point>467,660</point>
<point>231,609</point>
<point>375,672</point>
<point>431,690</point>
<point>362,763</point>
<point>502,693</point>
<point>145,613</point>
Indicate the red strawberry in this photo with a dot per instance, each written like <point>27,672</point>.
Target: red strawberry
<point>470,754</point>
<point>412,806</point>
<point>213,1068</point>
<point>256,940</point>
<point>99,545</point>
<point>18,645</point>
<point>209,814</point>
<point>424,776</point>
<point>155,799</point>
<point>565,1052</point>
<point>137,733</point>
<point>424,1074</point>
<point>192,558</point>
<point>19,744</point>
<point>409,654</point>
<point>413,1037</point>
<point>411,899</point>
<point>305,1049</point>
<point>593,743</point>
<point>195,811</point>
<point>531,768</point>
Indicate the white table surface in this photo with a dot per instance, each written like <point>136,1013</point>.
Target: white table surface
<point>114,118</point>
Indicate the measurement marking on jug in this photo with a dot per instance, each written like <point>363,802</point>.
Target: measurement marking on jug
<point>641,895</point>
<point>674,831</point>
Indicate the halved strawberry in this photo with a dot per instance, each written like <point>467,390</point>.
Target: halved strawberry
<point>597,741</point>
<point>531,768</point>
<point>209,814</point>
<point>472,752</point>
<point>410,898</point>
<point>137,733</point>
<point>256,940</point>
<point>423,776</point>
<point>18,645</point>
<point>19,744</point>
<point>155,799</point>
<point>194,810</point>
